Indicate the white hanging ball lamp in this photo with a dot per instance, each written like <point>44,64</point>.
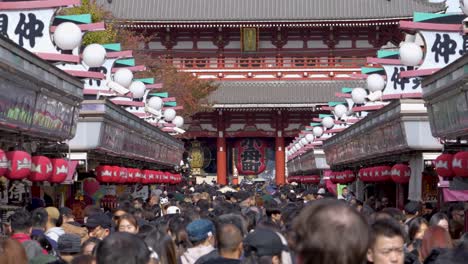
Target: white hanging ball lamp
<point>340,110</point>
<point>169,114</point>
<point>156,103</point>
<point>137,88</point>
<point>67,36</point>
<point>304,141</point>
<point>309,137</point>
<point>411,54</point>
<point>318,131</point>
<point>359,95</point>
<point>298,146</point>
<point>178,121</point>
<point>375,82</point>
<point>464,6</point>
<point>94,55</point>
<point>123,77</point>
<point>328,122</point>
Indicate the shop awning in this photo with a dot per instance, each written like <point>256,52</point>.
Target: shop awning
<point>398,128</point>
<point>108,129</point>
<point>312,161</point>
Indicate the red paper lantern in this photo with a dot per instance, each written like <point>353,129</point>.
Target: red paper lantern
<point>19,165</point>
<point>115,174</point>
<point>166,177</point>
<point>41,169</point>
<point>382,173</point>
<point>148,176</point>
<point>123,175</point>
<point>292,179</point>
<point>460,164</point>
<point>104,173</point>
<point>138,176</point>
<point>59,172</point>
<point>131,175</point>
<point>311,179</point>
<point>3,163</point>
<point>361,175</point>
<point>443,165</point>
<point>401,173</point>
<point>349,176</point>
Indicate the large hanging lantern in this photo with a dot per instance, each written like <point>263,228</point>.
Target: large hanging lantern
<point>443,165</point>
<point>19,165</point>
<point>401,173</point>
<point>3,163</point>
<point>67,36</point>
<point>59,171</point>
<point>375,82</point>
<point>382,173</point>
<point>460,164</point>
<point>251,155</point>
<point>41,169</point>
<point>104,173</point>
<point>94,55</point>
<point>411,54</point>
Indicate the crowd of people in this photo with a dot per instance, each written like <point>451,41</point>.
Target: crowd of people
<point>250,224</point>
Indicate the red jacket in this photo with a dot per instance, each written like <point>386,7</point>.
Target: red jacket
<point>21,237</point>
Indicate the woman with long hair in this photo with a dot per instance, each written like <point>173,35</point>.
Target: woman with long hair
<point>436,239</point>
<point>162,247</point>
<point>12,252</point>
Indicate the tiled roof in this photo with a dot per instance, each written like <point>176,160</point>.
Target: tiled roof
<point>280,92</point>
<point>265,10</point>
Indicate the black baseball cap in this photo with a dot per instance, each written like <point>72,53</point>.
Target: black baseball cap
<point>264,242</point>
<point>99,219</point>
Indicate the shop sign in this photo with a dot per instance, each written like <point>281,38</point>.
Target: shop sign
<point>396,84</point>
<point>443,48</point>
<point>251,156</point>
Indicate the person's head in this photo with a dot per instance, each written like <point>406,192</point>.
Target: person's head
<point>127,223</point>
<point>234,219</point>
<point>90,210</point>
<point>153,200</point>
<point>412,208</point>
<point>162,244</point>
<point>12,252</point>
<point>87,248</point>
<point>416,228</point>
<point>201,232</point>
<point>457,213</point>
<point>117,214</point>
<point>263,246</point>
<point>138,202</point>
<point>324,222</point>
<point>229,240</point>
<point>67,214</point>
<point>68,246</point>
<point>20,222</point>
<point>386,243</point>
<point>435,237</point>
<point>440,219</point>
<point>196,197</point>
<point>122,248</point>
<point>344,191</point>
<point>98,225</point>
<point>39,218</point>
<point>54,217</point>
<point>385,202</point>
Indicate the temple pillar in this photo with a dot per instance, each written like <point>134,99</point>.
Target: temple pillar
<point>280,159</point>
<point>221,154</point>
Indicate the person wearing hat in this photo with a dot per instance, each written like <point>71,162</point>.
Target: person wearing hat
<point>99,225</point>
<point>69,245</point>
<point>54,221</point>
<point>70,226</point>
<point>263,246</point>
<point>201,235</point>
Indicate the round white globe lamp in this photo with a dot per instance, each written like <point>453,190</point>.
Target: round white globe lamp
<point>137,88</point>
<point>178,121</point>
<point>123,77</point>
<point>411,54</point>
<point>375,82</point>
<point>155,102</point>
<point>340,110</point>
<point>359,95</point>
<point>328,122</point>
<point>67,36</point>
<point>304,141</point>
<point>318,131</point>
<point>169,114</point>
<point>309,137</point>
<point>94,55</point>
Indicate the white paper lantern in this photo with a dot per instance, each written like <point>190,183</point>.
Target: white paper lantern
<point>411,54</point>
<point>318,131</point>
<point>137,88</point>
<point>375,82</point>
<point>304,141</point>
<point>340,110</point>
<point>328,122</point>
<point>155,103</point>
<point>94,55</point>
<point>298,146</point>
<point>178,121</point>
<point>169,114</point>
<point>359,95</point>
<point>123,77</point>
<point>309,137</point>
<point>67,36</point>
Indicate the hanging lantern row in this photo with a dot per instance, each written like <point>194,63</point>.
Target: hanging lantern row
<point>19,165</point>
<point>449,166</point>
<point>342,177</point>
<point>121,175</point>
<point>399,173</point>
<point>312,179</point>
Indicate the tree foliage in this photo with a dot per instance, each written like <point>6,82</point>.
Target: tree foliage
<point>190,92</point>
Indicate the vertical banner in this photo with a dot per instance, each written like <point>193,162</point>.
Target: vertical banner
<point>249,39</point>
<point>250,156</point>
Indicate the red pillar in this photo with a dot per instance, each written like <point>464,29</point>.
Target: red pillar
<point>221,160</point>
<point>280,160</point>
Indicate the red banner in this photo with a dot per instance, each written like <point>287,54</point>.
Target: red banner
<point>251,156</point>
